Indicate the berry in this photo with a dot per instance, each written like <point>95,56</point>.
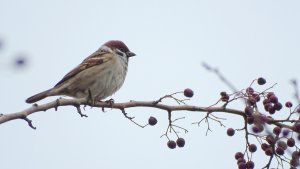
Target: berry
<point>250,164</point>
<point>296,127</point>
<point>152,121</point>
<point>257,128</point>
<point>256,97</point>
<point>241,160</point>
<point>20,61</point>
<point>238,155</point>
<point>171,144</point>
<point>288,104</point>
<point>269,151</point>
<point>277,130</point>
<point>242,165</point>
<point>249,90</point>
<point>290,142</point>
<point>230,131</point>
<point>270,139</point>
<point>273,99</point>
<point>278,106</point>
<point>188,92</point>
<point>279,151</point>
<point>261,81</point>
<point>271,109</point>
<point>180,142</point>
<point>266,101</point>
<point>252,148</point>
<point>264,146</point>
<point>251,101</point>
<point>270,94</point>
<point>250,120</point>
<point>286,132</point>
<point>224,96</point>
<point>249,110</point>
<point>282,144</point>
<point>267,106</point>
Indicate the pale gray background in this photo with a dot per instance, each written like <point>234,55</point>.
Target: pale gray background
<point>245,39</point>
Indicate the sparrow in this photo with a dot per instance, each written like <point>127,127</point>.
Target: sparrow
<point>99,76</point>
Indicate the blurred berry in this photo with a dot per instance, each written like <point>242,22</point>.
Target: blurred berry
<point>223,93</point>
<point>250,164</point>
<point>269,151</point>
<point>188,92</point>
<point>180,142</point>
<point>271,109</point>
<point>20,61</point>
<point>249,90</point>
<point>230,131</point>
<point>171,144</point>
<point>282,144</point>
<point>277,130</point>
<point>278,106</point>
<point>252,148</point>
<point>264,146</point>
<point>288,104</point>
<point>238,155</point>
<point>257,128</point>
<point>285,132</point>
<point>296,127</point>
<point>249,110</point>
<point>250,120</point>
<point>270,139</point>
<point>242,165</point>
<point>224,96</point>
<point>251,101</point>
<point>266,101</point>
<point>290,142</point>
<point>256,97</point>
<point>270,94</point>
<point>261,81</point>
<point>152,121</point>
<point>273,99</point>
<point>241,160</point>
<point>279,151</point>
<point>267,106</point>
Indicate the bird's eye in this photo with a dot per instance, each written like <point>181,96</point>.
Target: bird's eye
<point>119,52</point>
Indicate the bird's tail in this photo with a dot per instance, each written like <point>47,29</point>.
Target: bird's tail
<point>38,96</point>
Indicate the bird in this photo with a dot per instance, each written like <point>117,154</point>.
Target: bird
<point>98,76</point>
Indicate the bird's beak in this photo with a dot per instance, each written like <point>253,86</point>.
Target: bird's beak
<point>130,54</point>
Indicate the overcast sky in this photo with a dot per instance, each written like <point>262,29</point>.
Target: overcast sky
<point>244,39</point>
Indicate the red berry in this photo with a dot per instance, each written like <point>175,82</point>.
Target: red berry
<point>288,104</point>
<point>270,139</point>
<point>249,90</point>
<point>171,144</point>
<point>188,92</point>
<point>252,148</point>
<point>264,146</point>
<point>261,81</point>
<point>296,127</point>
<point>241,160</point>
<point>290,142</point>
<point>249,110</point>
<point>271,109</point>
<point>242,165</point>
<point>282,144</point>
<point>273,99</point>
<point>277,130</point>
<point>269,151</point>
<point>250,164</point>
<point>270,94</point>
<point>279,151</point>
<point>286,132</point>
<point>251,101</point>
<point>230,131</point>
<point>238,155</point>
<point>278,106</point>
<point>152,121</point>
<point>180,142</point>
<point>250,120</point>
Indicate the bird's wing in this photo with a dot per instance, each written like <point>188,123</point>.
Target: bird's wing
<point>97,58</point>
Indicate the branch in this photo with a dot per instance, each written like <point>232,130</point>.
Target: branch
<point>83,102</point>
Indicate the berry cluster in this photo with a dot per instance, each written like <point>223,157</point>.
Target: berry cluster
<point>275,143</point>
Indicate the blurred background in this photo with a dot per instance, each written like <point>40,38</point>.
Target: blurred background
<point>40,41</point>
